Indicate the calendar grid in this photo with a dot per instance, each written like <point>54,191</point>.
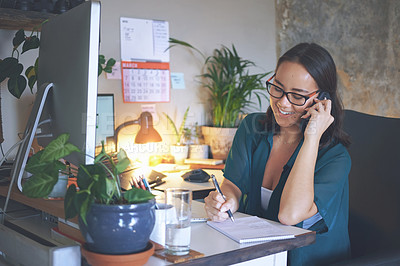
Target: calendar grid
<point>145,81</point>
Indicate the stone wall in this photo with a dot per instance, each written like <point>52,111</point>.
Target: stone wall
<point>363,38</point>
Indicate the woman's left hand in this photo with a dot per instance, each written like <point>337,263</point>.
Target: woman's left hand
<point>320,118</point>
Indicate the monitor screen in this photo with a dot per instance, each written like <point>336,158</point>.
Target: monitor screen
<point>105,118</point>
<point>67,73</point>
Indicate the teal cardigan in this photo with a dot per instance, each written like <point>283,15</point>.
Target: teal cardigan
<point>245,167</point>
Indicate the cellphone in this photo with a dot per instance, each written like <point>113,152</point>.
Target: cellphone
<point>323,95</point>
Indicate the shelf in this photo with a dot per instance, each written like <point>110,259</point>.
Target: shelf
<point>14,19</point>
<point>53,207</point>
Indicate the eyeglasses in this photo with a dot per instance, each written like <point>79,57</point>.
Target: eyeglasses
<point>293,98</point>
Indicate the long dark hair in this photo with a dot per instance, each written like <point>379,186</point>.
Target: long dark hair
<point>322,68</point>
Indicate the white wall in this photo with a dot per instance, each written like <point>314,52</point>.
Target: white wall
<point>248,24</point>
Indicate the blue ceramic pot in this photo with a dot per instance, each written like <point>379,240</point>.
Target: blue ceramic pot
<point>118,229</point>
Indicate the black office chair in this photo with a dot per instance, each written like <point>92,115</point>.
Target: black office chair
<point>374,189</point>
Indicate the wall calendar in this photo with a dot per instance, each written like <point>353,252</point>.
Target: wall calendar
<point>145,81</point>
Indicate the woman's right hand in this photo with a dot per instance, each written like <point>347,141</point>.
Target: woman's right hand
<point>216,207</point>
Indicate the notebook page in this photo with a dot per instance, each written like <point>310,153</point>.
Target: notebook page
<point>250,229</point>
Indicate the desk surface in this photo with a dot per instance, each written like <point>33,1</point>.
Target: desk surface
<point>206,240</point>
<point>56,207</point>
<point>175,180</point>
<point>217,247</point>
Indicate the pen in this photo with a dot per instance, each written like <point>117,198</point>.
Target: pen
<point>220,192</point>
<point>146,184</point>
<point>140,182</point>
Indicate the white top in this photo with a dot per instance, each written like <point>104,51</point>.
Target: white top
<point>266,196</point>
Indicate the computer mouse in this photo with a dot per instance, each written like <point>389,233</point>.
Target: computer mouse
<point>196,175</point>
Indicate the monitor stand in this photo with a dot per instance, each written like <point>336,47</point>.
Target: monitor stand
<point>29,134</point>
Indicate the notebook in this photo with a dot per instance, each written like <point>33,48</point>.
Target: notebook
<point>250,229</point>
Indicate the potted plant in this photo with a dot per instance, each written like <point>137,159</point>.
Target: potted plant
<point>198,150</point>
<point>231,88</point>
<point>111,221</point>
<point>179,148</point>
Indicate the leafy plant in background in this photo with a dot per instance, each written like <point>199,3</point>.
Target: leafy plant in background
<point>11,67</point>
<point>98,182</point>
<point>182,135</point>
<point>105,65</point>
<point>231,86</point>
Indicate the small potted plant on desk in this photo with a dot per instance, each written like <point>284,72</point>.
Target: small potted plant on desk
<point>111,221</point>
<point>197,150</point>
<point>179,149</point>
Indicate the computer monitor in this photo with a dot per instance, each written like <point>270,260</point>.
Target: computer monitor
<point>68,65</point>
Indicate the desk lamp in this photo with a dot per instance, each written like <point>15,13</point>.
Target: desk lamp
<point>146,133</point>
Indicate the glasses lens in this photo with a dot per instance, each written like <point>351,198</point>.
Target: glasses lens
<point>296,99</point>
<point>274,91</point>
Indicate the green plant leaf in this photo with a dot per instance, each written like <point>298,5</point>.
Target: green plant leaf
<point>33,165</point>
<point>36,166</point>
<point>19,37</point>
<point>16,86</point>
<point>136,195</point>
<point>99,70</point>
<point>110,63</point>
<point>58,148</point>
<point>30,43</point>
<point>16,70</point>
<point>82,202</point>
<point>69,206</point>
<point>175,42</point>
<point>123,161</point>
<point>102,59</point>
<point>30,73</point>
<point>41,184</point>
<point>122,165</point>
<point>103,189</point>
<point>7,65</point>
<point>172,124</point>
<point>31,82</point>
<point>89,174</point>
<point>181,128</point>
<point>107,69</point>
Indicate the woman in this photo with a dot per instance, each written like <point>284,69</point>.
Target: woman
<point>290,164</point>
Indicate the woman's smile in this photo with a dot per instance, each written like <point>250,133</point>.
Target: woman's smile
<point>286,113</point>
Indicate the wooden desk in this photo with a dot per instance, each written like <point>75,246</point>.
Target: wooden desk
<point>221,250</point>
<point>215,246</point>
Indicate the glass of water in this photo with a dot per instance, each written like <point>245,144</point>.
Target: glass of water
<point>177,232</point>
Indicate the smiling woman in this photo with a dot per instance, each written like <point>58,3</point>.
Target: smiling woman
<point>301,89</point>
<point>291,164</point>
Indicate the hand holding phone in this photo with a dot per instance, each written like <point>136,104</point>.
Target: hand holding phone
<point>323,95</point>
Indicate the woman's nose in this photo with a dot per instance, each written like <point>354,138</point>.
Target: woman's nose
<point>284,101</point>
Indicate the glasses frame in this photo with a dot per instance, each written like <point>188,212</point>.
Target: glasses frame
<point>284,93</point>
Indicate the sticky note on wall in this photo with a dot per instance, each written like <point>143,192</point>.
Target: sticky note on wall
<point>178,81</point>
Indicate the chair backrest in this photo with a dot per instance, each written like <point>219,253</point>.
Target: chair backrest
<point>374,183</point>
